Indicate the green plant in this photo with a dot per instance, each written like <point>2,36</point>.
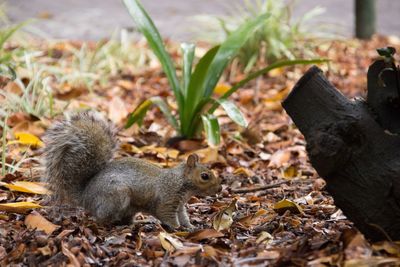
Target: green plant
<point>15,164</point>
<point>281,38</point>
<point>89,66</point>
<point>35,98</point>
<point>194,93</point>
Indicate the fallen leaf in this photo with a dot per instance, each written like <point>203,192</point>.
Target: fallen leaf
<point>251,219</point>
<point>264,237</point>
<point>223,220</point>
<point>169,243</point>
<point>275,72</point>
<point>117,110</point>
<point>204,234</point>
<point>27,187</point>
<point>244,171</point>
<point>45,251</point>
<point>290,172</point>
<point>26,139</point>
<point>18,207</point>
<point>221,88</point>
<point>73,260</point>
<point>37,221</point>
<point>279,158</point>
<point>387,246</point>
<point>206,155</point>
<point>285,204</point>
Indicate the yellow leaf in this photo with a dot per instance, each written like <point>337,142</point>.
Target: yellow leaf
<point>275,72</point>
<point>26,139</point>
<point>37,221</point>
<point>223,220</point>
<point>18,207</point>
<point>290,172</point>
<point>221,88</point>
<point>169,243</point>
<point>243,171</point>
<point>27,187</point>
<point>285,204</point>
<point>264,237</point>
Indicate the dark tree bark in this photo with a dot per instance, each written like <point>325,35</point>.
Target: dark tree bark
<point>359,159</point>
<point>365,18</point>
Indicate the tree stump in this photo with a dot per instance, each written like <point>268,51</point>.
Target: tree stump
<point>352,151</point>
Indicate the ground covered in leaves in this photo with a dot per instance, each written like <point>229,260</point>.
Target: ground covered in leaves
<point>273,209</point>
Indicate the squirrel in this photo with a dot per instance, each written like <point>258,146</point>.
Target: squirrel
<point>80,171</point>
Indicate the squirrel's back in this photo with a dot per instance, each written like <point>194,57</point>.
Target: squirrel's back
<point>76,149</point>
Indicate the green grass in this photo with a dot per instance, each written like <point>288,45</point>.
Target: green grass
<point>281,37</point>
<point>193,91</point>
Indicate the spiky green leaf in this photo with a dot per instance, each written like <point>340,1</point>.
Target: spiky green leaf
<point>211,127</point>
<point>146,26</point>
<point>233,112</point>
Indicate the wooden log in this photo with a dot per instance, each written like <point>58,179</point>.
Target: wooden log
<point>359,160</point>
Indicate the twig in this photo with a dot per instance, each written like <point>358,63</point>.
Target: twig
<point>258,188</point>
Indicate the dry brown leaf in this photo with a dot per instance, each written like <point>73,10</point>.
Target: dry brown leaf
<point>264,237</point>
<point>252,218</point>
<point>223,220</point>
<point>169,243</point>
<point>279,158</point>
<point>117,110</point>
<point>206,155</point>
<point>72,259</point>
<point>204,234</point>
<point>37,221</point>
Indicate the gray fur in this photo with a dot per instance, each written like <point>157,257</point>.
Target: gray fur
<point>80,172</point>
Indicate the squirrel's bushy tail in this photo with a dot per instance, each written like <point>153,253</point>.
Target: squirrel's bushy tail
<point>76,150</point>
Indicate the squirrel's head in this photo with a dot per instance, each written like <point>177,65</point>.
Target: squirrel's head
<point>202,179</point>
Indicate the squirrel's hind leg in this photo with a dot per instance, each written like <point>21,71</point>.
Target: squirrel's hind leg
<point>113,208</point>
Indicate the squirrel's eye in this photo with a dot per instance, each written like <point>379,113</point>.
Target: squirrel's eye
<point>205,176</point>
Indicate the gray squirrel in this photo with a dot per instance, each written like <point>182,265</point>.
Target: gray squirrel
<point>80,171</point>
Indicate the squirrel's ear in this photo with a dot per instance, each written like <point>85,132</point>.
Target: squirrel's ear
<point>192,160</point>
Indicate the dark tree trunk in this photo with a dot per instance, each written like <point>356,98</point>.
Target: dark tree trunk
<point>359,160</point>
<point>365,18</point>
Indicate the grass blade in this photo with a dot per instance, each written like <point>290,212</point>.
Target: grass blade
<point>146,26</point>
<point>139,113</point>
<point>195,89</point>
<point>7,33</point>
<point>211,127</point>
<point>188,56</point>
<point>233,112</point>
<point>229,48</point>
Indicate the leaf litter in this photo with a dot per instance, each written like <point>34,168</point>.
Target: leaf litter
<point>273,209</point>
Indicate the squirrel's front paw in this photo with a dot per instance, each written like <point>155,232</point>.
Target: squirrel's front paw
<point>168,227</point>
<point>189,228</point>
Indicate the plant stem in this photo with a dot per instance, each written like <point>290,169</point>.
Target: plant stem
<point>3,154</point>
